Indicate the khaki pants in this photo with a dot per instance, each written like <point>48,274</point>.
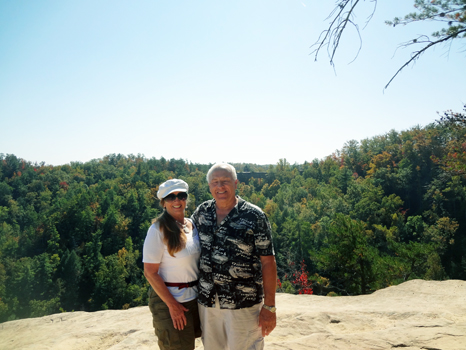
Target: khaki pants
<point>224,329</point>
<point>170,338</point>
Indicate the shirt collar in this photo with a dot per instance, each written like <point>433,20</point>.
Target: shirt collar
<point>235,209</point>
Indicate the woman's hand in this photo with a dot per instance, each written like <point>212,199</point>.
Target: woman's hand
<point>151,271</point>
<point>177,314</point>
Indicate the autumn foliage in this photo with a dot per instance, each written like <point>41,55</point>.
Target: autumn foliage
<point>298,280</point>
<point>378,212</point>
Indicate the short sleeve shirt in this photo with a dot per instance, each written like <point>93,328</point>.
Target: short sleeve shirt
<point>230,254</point>
<point>180,268</point>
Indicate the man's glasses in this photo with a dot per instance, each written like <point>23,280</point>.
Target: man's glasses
<point>182,196</point>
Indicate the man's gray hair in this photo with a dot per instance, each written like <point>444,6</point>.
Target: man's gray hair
<point>221,166</point>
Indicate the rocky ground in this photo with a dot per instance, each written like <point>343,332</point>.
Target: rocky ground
<point>417,314</point>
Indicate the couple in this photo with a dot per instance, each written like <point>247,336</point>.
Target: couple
<point>223,256</point>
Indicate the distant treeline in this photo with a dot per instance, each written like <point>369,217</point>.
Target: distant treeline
<point>376,213</point>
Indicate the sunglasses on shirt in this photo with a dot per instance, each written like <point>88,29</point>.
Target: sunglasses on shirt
<point>182,196</point>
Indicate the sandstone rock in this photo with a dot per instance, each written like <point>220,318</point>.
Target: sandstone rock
<point>414,315</point>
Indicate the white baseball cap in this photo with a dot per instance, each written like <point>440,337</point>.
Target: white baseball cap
<point>170,186</point>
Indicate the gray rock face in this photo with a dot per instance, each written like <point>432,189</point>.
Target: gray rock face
<point>414,315</point>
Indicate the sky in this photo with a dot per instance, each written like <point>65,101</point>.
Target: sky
<point>210,81</point>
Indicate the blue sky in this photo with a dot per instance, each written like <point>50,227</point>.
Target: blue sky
<point>209,81</point>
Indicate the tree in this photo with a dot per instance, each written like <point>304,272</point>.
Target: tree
<point>454,161</point>
<point>92,260</point>
<point>70,271</point>
<point>413,260</point>
<point>347,257</point>
<point>450,13</point>
<point>3,305</point>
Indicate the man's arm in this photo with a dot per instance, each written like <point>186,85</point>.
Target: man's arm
<point>267,319</point>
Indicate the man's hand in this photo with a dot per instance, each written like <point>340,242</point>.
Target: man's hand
<point>267,321</point>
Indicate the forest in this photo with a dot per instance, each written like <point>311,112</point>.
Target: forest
<point>376,213</point>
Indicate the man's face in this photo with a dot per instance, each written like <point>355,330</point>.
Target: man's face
<point>222,186</point>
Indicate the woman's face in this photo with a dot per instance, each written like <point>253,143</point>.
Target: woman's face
<point>174,205</point>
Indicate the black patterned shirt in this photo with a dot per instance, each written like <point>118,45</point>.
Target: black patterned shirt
<point>230,254</point>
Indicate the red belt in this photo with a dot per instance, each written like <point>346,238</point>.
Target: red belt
<point>182,285</point>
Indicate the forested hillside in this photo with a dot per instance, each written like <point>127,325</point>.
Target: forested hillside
<point>376,213</point>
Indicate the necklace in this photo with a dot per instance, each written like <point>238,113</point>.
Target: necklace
<point>183,225</point>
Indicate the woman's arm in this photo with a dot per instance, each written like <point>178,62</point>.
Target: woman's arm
<point>151,272</point>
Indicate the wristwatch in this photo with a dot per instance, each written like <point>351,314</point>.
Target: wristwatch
<point>270,308</point>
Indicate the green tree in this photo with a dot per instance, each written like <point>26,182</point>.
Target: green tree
<point>4,312</point>
<point>347,256</point>
<point>70,271</point>
<point>414,260</point>
<point>91,261</point>
<point>116,282</point>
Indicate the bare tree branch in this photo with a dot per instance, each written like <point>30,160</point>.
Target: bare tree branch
<point>332,35</point>
<point>417,54</point>
<point>451,12</point>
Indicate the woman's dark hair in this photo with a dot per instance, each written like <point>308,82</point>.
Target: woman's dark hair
<point>173,236</point>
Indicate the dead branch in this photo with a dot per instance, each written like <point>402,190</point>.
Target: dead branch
<point>417,54</point>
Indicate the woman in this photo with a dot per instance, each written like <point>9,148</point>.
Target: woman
<point>171,255</point>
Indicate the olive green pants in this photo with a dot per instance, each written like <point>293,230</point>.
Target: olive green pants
<point>170,338</point>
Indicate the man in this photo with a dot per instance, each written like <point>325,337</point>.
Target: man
<point>238,274</point>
